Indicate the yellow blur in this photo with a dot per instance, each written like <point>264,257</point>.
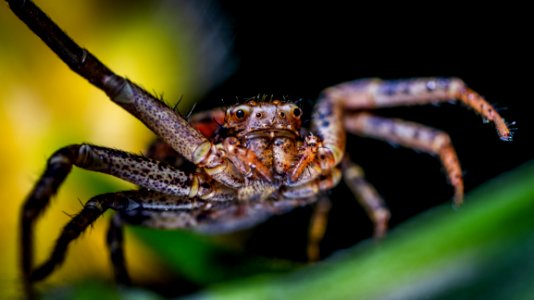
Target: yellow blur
<point>44,106</point>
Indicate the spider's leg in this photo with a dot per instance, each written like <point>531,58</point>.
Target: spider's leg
<point>317,228</point>
<point>147,173</point>
<point>142,171</point>
<point>57,170</point>
<point>133,207</point>
<point>374,93</point>
<point>207,122</point>
<point>319,218</point>
<point>367,197</point>
<point>155,114</point>
<point>115,242</point>
<point>411,135</point>
<point>93,209</point>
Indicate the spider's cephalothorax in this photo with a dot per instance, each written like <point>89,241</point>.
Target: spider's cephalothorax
<point>271,131</point>
<point>249,163</point>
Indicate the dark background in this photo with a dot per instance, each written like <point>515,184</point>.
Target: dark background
<point>297,50</point>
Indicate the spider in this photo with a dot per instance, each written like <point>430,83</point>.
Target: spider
<point>251,160</point>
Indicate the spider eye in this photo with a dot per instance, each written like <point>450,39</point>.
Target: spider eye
<point>297,112</point>
<point>240,114</point>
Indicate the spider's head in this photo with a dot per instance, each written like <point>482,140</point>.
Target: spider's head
<point>264,119</point>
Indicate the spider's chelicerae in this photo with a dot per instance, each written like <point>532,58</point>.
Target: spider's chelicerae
<point>252,160</point>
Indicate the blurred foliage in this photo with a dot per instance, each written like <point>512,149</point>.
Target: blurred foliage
<point>482,251</point>
<point>204,261</point>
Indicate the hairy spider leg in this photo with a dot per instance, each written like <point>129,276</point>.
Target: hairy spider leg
<point>115,243</point>
<point>155,114</point>
<point>128,204</point>
<point>206,122</point>
<point>411,135</point>
<point>375,93</point>
<point>144,207</point>
<point>93,209</point>
<point>327,121</point>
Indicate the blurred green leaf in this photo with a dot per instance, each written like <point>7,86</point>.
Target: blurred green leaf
<point>483,250</point>
<point>203,261</point>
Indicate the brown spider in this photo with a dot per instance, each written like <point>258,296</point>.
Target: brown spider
<point>252,160</point>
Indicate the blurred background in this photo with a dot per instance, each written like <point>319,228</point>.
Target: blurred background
<point>211,53</point>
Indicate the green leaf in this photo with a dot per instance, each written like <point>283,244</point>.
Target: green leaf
<point>482,250</point>
<point>202,260</point>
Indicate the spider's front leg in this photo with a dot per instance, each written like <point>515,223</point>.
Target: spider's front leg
<point>155,114</point>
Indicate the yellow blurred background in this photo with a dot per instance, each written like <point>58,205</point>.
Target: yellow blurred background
<point>45,106</point>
